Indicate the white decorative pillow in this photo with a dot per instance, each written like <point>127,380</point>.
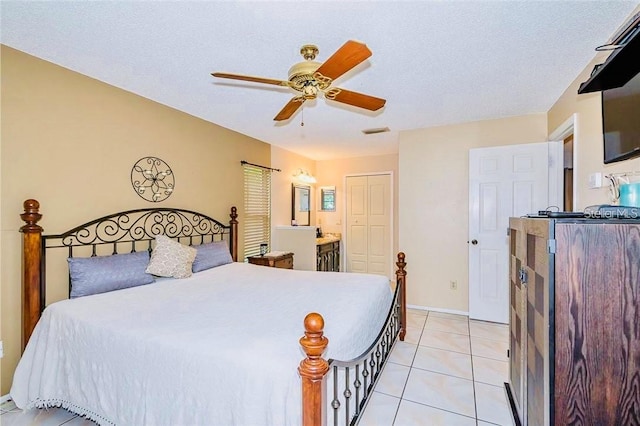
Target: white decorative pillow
<point>171,259</point>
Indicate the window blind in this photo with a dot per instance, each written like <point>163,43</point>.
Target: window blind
<point>257,209</point>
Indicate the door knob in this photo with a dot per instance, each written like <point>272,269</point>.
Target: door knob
<point>474,242</point>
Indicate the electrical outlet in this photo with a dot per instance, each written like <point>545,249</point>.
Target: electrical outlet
<point>453,285</point>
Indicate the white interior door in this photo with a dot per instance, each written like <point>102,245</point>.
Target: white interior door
<point>368,242</point>
<point>379,222</point>
<point>357,226</point>
<point>503,182</point>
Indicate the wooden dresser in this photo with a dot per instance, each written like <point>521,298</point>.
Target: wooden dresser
<point>284,260</point>
<point>574,354</point>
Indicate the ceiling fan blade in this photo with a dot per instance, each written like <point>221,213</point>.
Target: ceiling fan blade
<point>348,56</point>
<point>354,98</point>
<point>290,108</point>
<point>250,78</point>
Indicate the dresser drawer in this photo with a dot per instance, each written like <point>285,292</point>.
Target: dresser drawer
<point>285,263</point>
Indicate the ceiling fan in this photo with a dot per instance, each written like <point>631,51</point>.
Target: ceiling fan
<point>310,77</point>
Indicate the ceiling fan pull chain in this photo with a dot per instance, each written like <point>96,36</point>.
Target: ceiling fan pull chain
<point>302,118</point>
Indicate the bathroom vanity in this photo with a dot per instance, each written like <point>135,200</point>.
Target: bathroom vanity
<point>312,253</point>
<point>328,253</point>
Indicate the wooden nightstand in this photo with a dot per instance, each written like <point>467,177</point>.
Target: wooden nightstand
<point>284,260</point>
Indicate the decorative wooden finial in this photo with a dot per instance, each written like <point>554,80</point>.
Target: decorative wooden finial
<point>401,264</point>
<point>312,370</point>
<point>314,344</point>
<point>401,279</point>
<point>234,233</point>
<point>31,216</point>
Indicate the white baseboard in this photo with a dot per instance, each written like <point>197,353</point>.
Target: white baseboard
<point>5,398</point>
<point>446,311</point>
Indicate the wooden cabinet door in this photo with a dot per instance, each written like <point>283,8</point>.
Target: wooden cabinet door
<point>597,341</point>
<point>537,320</point>
<point>529,320</point>
<point>517,319</point>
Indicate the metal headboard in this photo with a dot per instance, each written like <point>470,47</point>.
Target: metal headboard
<point>134,227</point>
<point>135,230</point>
<point>141,225</point>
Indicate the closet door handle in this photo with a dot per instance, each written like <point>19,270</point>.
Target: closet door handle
<point>474,242</point>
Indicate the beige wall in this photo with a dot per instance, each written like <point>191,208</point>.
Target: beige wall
<point>434,202</point>
<point>333,173</point>
<point>289,162</point>
<point>70,142</point>
<point>588,143</point>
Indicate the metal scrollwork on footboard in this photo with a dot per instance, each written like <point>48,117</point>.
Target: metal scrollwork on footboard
<point>352,381</point>
<point>349,383</point>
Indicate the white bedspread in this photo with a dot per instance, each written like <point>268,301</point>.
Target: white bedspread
<point>219,348</point>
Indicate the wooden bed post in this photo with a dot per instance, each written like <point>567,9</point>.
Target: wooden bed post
<point>401,278</point>
<point>234,233</point>
<point>31,258</point>
<point>312,370</point>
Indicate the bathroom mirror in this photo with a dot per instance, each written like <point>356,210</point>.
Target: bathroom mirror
<point>328,198</point>
<point>300,205</point>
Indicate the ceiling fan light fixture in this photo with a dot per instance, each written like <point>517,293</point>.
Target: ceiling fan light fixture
<point>310,90</point>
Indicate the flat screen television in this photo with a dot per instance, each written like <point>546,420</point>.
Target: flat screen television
<point>621,121</point>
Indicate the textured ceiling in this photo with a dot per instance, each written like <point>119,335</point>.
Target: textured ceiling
<point>436,62</point>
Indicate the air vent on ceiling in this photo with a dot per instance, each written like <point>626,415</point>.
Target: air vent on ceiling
<point>375,130</point>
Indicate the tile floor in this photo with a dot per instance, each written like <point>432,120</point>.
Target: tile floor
<point>449,371</point>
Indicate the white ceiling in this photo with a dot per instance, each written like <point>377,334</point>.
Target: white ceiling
<point>436,62</point>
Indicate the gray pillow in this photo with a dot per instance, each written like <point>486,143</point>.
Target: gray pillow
<point>211,255</point>
<point>93,275</point>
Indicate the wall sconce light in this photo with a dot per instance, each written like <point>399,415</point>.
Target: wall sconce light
<point>304,176</point>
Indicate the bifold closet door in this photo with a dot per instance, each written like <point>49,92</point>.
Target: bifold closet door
<point>368,242</point>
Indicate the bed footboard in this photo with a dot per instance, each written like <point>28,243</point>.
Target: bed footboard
<point>365,370</point>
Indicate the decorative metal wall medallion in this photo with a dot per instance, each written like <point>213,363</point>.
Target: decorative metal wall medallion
<point>152,179</point>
